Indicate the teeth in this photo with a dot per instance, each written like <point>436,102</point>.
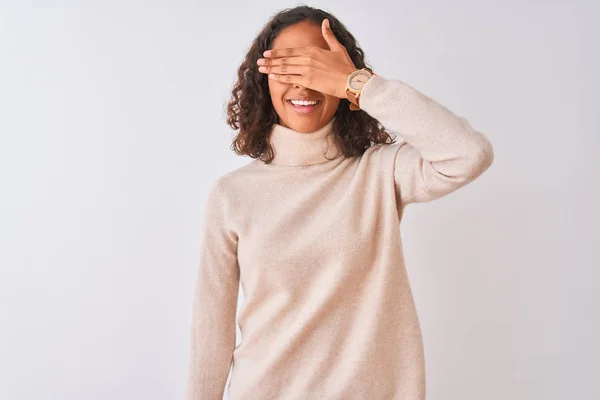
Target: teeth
<point>303,102</point>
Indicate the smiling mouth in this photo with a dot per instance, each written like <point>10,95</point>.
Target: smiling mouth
<point>300,109</point>
<point>318,101</point>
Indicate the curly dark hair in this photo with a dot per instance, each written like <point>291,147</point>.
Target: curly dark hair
<point>251,111</point>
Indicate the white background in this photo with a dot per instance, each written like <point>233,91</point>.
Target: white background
<point>112,129</point>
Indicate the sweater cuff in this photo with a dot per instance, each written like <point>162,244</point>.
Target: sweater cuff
<point>371,89</point>
<point>376,86</point>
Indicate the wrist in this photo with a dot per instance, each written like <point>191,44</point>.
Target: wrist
<point>355,83</point>
<point>343,85</point>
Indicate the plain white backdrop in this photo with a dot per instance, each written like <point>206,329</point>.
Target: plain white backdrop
<point>112,129</point>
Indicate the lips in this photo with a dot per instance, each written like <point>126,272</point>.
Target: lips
<point>304,109</point>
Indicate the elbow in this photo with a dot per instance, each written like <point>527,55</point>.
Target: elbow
<point>485,155</point>
<point>481,158</point>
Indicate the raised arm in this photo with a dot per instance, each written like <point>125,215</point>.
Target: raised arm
<point>441,151</point>
<point>215,303</point>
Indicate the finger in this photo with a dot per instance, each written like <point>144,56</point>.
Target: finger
<point>286,52</point>
<point>283,69</point>
<point>329,36</point>
<point>298,60</point>
<point>292,79</point>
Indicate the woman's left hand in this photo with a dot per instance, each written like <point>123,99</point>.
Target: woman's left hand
<point>323,70</point>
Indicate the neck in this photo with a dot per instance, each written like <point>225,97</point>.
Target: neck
<point>296,148</point>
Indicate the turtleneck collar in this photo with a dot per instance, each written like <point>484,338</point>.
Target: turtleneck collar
<point>294,148</point>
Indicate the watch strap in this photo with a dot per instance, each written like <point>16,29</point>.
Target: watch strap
<point>353,95</point>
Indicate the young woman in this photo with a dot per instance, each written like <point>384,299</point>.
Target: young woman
<point>310,227</point>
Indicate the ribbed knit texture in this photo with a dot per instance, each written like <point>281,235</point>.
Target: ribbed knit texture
<point>315,242</point>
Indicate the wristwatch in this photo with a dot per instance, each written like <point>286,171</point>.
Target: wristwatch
<point>354,85</point>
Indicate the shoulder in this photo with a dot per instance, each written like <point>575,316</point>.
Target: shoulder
<point>384,154</point>
<point>232,184</point>
<point>386,158</point>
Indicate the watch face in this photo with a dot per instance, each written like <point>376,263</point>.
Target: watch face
<point>358,79</point>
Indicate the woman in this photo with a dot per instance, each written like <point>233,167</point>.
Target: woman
<point>310,227</point>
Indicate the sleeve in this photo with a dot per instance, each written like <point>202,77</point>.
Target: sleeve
<point>441,151</point>
<point>213,330</point>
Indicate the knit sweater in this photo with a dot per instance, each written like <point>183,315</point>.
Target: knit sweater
<point>314,238</point>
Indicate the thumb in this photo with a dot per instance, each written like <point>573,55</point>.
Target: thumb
<point>329,36</point>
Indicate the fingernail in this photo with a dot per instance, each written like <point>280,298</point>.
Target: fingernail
<point>327,22</point>
<point>267,53</point>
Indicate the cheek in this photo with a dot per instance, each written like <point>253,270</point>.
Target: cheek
<point>276,90</point>
<point>333,102</point>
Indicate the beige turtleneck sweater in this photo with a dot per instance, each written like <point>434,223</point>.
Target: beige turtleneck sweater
<point>329,312</point>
